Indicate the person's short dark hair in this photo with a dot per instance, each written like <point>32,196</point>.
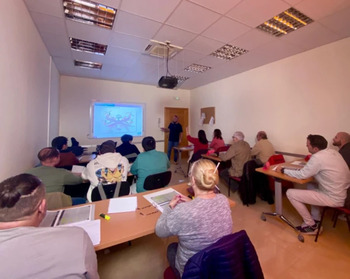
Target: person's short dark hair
<point>262,135</point>
<point>107,147</point>
<point>317,141</point>
<point>126,138</point>
<point>48,153</point>
<point>58,142</point>
<point>20,197</point>
<point>148,143</point>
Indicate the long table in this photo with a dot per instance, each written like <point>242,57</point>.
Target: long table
<point>181,149</point>
<point>278,177</point>
<point>124,227</point>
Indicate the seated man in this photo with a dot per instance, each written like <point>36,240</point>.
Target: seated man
<point>342,140</point>
<point>149,162</point>
<point>239,154</point>
<point>108,167</point>
<point>127,148</point>
<point>263,149</point>
<point>67,158</point>
<point>27,251</point>
<point>332,176</point>
<point>53,178</point>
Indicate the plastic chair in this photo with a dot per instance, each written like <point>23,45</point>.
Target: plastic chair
<point>78,190</point>
<point>109,190</point>
<point>157,180</point>
<point>337,210</point>
<point>222,149</point>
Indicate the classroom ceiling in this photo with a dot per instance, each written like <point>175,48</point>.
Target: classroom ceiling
<point>198,26</point>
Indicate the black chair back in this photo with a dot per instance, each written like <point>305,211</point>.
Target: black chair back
<point>109,191</point>
<point>157,180</point>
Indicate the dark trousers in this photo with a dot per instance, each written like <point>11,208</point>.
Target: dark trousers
<point>171,255</point>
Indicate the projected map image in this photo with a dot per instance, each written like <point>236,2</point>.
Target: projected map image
<point>115,120</point>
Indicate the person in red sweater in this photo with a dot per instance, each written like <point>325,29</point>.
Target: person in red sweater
<point>199,143</point>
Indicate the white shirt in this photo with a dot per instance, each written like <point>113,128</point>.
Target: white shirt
<point>330,171</point>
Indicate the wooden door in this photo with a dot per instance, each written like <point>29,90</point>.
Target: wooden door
<point>182,113</point>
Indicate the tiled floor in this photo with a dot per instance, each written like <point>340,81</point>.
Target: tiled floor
<point>280,253</point>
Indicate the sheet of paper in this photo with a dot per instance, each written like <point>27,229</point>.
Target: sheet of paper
<point>77,169</point>
<point>118,205</point>
<point>92,228</point>
<point>299,163</point>
<point>161,199</point>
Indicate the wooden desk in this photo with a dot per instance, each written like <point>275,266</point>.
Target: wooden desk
<point>123,227</point>
<point>278,177</point>
<point>212,157</point>
<point>181,149</point>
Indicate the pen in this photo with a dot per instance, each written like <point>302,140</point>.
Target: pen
<point>104,216</point>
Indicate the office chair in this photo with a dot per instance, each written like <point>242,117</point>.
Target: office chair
<point>77,191</point>
<point>110,191</point>
<point>157,180</point>
<point>232,256</point>
<point>337,210</point>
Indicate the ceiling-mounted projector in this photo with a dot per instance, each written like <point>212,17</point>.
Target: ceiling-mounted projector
<point>169,82</point>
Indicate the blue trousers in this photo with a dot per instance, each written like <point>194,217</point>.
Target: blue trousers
<point>172,144</point>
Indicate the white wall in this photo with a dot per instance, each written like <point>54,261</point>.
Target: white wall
<point>76,95</point>
<point>305,94</point>
<point>25,86</point>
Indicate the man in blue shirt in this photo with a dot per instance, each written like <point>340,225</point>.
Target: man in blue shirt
<point>149,162</point>
<point>175,133</point>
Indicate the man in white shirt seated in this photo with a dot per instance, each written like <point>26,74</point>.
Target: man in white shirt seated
<point>27,251</point>
<point>108,167</point>
<point>332,175</point>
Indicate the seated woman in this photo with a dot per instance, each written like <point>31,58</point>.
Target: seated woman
<point>217,141</point>
<point>199,143</point>
<point>198,223</point>
<point>127,148</point>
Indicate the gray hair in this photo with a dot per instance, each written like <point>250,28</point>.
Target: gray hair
<point>238,135</point>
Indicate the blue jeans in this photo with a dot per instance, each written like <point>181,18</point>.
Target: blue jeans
<point>172,144</point>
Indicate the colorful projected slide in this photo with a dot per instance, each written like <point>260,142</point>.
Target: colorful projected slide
<point>110,120</point>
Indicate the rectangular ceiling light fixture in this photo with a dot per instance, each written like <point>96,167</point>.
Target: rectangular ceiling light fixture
<point>196,68</point>
<point>88,64</point>
<point>285,22</point>
<point>87,46</point>
<point>228,52</point>
<point>89,12</point>
<point>181,80</point>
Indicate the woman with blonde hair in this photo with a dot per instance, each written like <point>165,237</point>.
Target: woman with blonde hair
<point>197,222</point>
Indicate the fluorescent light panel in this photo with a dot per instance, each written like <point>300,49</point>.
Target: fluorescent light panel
<point>88,64</point>
<point>87,46</point>
<point>285,22</point>
<point>228,52</point>
<point>196,68</point>
<point>89,12</point>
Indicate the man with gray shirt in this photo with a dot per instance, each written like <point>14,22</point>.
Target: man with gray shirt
<point>27,251</point>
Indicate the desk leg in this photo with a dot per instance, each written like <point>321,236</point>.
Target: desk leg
<point>178,166</point>
<point>278,209</point>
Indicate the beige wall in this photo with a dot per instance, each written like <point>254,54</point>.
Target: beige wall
<point>25,88</point>
<point>77,94</point>
<point>289,99</point>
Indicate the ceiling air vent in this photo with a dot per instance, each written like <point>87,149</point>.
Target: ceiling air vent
<point>162,50</point>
